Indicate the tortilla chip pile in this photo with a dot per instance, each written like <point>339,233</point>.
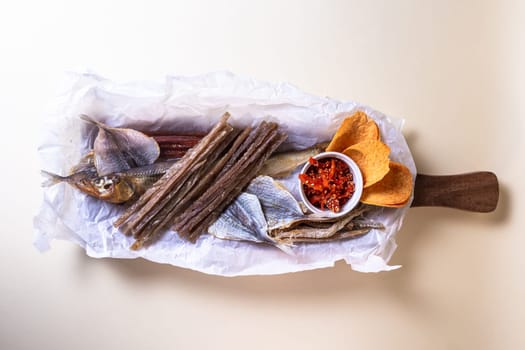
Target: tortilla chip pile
<point>385,183</point>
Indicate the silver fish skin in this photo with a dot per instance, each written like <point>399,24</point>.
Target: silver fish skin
<point>279,206</point>
<point>243,220</point>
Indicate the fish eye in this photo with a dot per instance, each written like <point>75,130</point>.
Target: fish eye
<point>107,186</point>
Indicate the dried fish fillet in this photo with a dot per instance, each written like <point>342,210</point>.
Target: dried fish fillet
<point>304,231</point>
<point>340,235</point>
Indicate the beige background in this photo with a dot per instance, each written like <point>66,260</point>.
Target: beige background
<point>453,69</point>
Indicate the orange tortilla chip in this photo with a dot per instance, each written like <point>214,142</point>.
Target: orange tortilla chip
<point>355,129</point>
<point>372,159</point>
<point>393,190</point>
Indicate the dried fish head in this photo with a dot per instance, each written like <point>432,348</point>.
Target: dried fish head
<point>126,185</point>
<point>112,188</point>
<point>109,188</point>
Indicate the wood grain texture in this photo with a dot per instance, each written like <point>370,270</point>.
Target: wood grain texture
<point>478,191</point>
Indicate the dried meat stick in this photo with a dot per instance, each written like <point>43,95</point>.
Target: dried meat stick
<point>252,144</point>
<point>250,174</point>
<point>164,183</point>
<point>168,215</point>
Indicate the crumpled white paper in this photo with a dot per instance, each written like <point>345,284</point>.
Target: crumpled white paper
<point>190,104</point>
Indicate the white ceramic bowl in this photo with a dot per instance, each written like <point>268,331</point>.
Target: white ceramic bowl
<point>358,183</point>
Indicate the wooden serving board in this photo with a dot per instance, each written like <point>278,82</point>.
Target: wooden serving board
<point>477,192</point>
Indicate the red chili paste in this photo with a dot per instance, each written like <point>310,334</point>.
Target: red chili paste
<point>328,183</point>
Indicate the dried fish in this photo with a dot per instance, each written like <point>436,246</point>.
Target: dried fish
<point>121,149</point>
<point>280,220</point>
<point>283,164</point>
<point>302,236</point>
<point>343,227</point>
<point>113,188</point>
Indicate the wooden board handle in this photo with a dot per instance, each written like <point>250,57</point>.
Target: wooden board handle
<point>477,191</point>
